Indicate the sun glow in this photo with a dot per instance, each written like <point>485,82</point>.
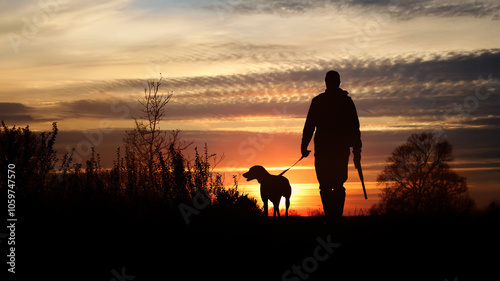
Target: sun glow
<point>305,197</point>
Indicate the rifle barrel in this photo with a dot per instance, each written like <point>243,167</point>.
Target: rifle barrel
<point>360,173</point>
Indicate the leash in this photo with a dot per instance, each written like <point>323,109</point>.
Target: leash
<point>291,166</point>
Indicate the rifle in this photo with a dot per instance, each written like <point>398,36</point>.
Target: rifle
<point>357,164</point>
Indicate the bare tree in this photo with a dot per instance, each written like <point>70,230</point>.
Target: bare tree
<point>146,140</point>
<point>418,179</point>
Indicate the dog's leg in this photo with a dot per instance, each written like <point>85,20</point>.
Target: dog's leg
<point>276,208</point>
<point>265,208</point>
<point>287,204</point>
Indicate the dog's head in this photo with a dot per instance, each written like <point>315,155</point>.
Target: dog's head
<point>256,173</point>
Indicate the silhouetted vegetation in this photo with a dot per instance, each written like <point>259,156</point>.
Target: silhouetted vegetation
<point>34,152</point>
<point>149,174</point>
<point>147,140</point>
<point>129,183</point>
<point>418,180</point>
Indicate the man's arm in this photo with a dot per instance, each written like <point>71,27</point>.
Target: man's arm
<point>308,131</point>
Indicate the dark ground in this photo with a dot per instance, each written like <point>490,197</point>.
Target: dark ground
<point>71,242</point>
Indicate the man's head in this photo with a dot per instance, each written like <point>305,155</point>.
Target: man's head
<point>332,79</point>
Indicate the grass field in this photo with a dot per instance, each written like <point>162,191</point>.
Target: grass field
<point>82,240</point>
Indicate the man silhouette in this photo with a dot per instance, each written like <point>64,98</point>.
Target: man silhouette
<point>333,116</point>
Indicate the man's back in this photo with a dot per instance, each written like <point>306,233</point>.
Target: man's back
<point>333,116</point>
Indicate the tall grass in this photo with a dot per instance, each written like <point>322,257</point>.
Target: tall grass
<point>128,186</point>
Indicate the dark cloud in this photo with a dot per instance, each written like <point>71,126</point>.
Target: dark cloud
<point>449,67</point>
<point>402,87</point>
<point>393,8</point>
<point>477,143</point>
<point>107,108</point>
<point>16,113</point>
<point>430,8</point>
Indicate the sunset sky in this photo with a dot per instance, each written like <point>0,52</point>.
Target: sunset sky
<point>243,74</point>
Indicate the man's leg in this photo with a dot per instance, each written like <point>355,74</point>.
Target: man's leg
<point>323,173</point>
<point>333,202</point>
<point>337,201</point>
<point>331,171</point>
<point>325,195</point>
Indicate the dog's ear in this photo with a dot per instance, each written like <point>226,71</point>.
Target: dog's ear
<point>261,171</point>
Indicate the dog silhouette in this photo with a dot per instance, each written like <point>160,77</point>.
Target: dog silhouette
<point>271,188</point>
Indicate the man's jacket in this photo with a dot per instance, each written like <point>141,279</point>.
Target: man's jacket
<point>333,116</point>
